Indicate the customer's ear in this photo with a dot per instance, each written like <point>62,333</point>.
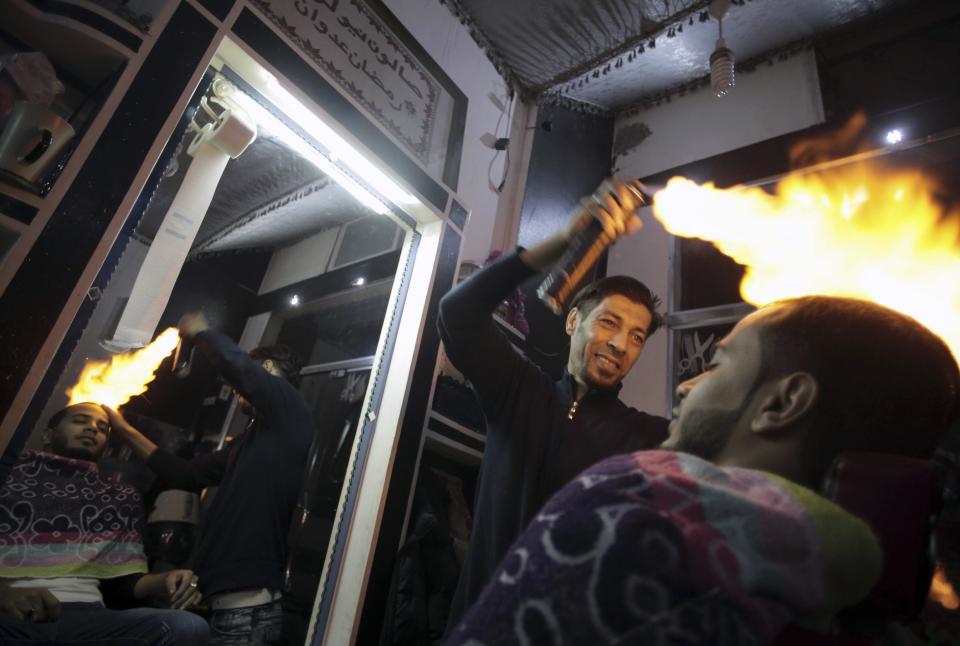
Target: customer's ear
<point>786,402</point>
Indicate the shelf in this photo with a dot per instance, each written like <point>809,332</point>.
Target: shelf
<point>11,191</point>
<point>452,440</point>
<point>450,449</point>
<point>8,223</point>
<point>80,38</point>
<point>9,236</point>
<point>469,432</point>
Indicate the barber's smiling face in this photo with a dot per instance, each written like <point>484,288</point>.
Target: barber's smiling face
<point>607,341</point>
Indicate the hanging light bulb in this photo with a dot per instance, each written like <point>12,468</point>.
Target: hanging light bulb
<point>721,60</point>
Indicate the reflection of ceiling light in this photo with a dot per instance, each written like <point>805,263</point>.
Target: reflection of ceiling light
<point>894,136</point>
<point>722,77</point>
<point>295,300</point>
<point>359,281</point>
<point>293,141</point>
<point>340,149</point>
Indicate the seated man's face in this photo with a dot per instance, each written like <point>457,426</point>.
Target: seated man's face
<point>606,342</point>
<point>719,402</point>
<point>81,434</point>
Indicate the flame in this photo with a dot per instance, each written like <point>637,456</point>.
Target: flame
<point>859,231</point>
<point>113,383</point>
<point>941,590</point>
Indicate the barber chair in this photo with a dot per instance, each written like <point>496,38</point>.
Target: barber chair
<point>899,498</point>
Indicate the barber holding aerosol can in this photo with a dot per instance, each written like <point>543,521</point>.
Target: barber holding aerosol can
<point>542,433</point>
<point>243,541</point>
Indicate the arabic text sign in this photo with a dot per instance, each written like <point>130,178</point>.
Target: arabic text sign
<point>354,47</point>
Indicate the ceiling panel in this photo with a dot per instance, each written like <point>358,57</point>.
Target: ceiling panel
<point>598,51</point>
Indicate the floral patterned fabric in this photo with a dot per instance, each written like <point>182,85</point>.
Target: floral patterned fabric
<point>658,547</point>
<point>59,518</point>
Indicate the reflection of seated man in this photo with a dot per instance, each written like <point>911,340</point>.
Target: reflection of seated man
<point>722,540</point>
<point>69,540</point>
<point>243,542</point>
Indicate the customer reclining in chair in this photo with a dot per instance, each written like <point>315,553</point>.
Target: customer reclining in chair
<point>70,540</point>
<point>720,538</point>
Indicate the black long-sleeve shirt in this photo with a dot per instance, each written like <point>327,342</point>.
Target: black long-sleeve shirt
<point>243,542</point>
<point>532,448</point>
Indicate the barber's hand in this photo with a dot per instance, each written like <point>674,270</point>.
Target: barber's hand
<point>28,604</point>
<point>117,422</point>
<point>181,588</point>
<point>614,204</point>
<point>192,324</point>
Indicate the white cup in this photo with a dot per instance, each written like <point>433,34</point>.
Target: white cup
<point>33,138</point>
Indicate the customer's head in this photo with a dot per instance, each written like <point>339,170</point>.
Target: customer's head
<point>80,431</point>
<point>609,322</point>
<point>802,380</point>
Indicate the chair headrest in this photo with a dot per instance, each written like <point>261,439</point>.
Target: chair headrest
<point>898,497</point>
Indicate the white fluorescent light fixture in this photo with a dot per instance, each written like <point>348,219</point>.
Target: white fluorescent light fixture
<point>340,149</point>
<point>296,143</point>
<point>894,136</point>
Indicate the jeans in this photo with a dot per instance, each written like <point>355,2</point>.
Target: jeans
<point>253,626</point>
<point>90,624</point>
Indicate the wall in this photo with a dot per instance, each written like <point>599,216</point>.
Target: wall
<point>766,103</point>
<point>566,163</point>
<point>770,101</point>
<point>647,256</point>
<point>450,45</point>
<point>305,259</point>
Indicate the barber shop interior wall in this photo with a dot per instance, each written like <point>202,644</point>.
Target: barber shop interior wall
<point>300,261</point>
<point>766,103</point>
<point>481,168</point>
<point>567,161</point>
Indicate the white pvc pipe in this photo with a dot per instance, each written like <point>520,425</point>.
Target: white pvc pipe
<point>211,149</point>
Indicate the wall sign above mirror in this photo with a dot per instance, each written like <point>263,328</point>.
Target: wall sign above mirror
<point>360,51</point>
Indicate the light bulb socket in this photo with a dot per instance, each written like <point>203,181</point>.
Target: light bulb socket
<point>722,67</point>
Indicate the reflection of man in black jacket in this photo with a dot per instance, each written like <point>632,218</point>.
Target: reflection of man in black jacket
<point>541,433</point>
<point>243,545</point>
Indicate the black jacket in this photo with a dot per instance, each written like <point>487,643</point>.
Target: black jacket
<point>532,448</point>
<point>244,537</point>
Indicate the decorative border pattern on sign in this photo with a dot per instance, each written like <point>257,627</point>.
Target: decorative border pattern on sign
<point>418,142</point>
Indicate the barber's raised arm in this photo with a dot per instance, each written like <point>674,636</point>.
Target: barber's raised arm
<point>263,390</point>
<point>474,343</point>
<point>191,475</point>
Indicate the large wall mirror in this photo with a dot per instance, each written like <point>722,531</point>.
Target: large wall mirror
<point>265,216</point>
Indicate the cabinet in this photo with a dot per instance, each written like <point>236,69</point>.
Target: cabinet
<point>89,47</point>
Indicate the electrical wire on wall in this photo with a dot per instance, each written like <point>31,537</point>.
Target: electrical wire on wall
<point>502,144</point>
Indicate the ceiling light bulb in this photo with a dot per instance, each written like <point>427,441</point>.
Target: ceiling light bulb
<point>295,300</point>
<point>721,69</point>
<point>894,136</point>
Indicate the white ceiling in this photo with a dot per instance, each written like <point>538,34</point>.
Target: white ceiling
<point>551,45</point>
<point>750,30</point>
<point>268,197</point>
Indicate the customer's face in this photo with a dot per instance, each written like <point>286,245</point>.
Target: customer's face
<point>719,402</point>
<point>607,341</point>
<point>81,434</point>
